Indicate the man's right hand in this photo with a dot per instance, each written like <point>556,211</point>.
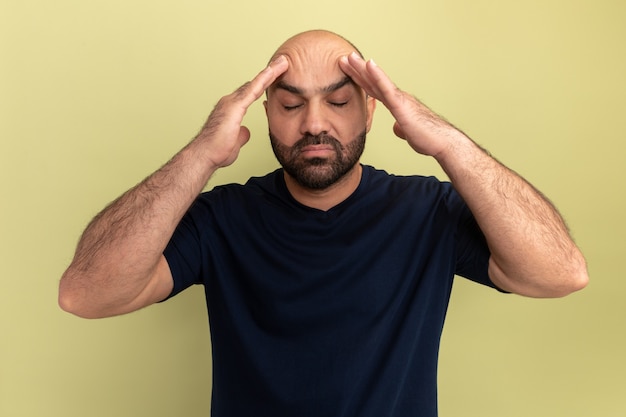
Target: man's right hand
<point>223,130</point>
<point>119,266</point>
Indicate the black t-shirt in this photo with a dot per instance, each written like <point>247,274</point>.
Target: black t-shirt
<point>327,313</point>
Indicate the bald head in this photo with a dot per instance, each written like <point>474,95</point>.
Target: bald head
<point>315,40</point>
<point>318,116</point>
<point>313,58</point>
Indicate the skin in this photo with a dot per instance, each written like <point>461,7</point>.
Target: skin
<point>532,252</point>
<point>315,96</point>
<point>119,267</point>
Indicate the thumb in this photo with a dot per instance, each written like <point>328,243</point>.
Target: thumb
<point>244,135</point>
<point>399,132</point>
<point>242,138</point>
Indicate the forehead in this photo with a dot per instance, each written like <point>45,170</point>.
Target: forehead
<point>314,60</point>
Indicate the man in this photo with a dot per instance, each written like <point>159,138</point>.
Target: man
<point>327,281</point>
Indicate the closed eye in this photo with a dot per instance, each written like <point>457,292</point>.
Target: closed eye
<point>338,104</point>
<point>289,108</point>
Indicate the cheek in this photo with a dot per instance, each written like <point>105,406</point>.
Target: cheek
<point>283,128</point>
<point>353,124</point>
<point>273,118</point>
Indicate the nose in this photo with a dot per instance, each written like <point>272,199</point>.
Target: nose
<point>314,119</point>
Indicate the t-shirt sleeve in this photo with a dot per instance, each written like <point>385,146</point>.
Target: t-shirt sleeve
<point>472,250</point>
<point>184,252</point>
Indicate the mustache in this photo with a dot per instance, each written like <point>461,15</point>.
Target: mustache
<point>321,139</point>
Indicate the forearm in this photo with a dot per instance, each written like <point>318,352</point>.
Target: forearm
<point>532,251</point>
<point>118,266</point>
<point>121,248</point>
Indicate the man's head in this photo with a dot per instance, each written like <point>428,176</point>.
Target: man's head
<point>318,117</point>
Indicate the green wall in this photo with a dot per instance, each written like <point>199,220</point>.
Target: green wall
<point>94,95</point>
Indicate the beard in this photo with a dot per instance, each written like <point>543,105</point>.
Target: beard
<point>318,173</point>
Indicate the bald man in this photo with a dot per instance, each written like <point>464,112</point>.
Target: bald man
<point>327,281</point>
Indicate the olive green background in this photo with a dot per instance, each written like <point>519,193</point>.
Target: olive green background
<point>95,95</point>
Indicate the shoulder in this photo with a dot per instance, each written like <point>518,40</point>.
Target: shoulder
<point>253,187</point>
<point>378,180</point>
<point>238,199</point>
<point>413,195</point>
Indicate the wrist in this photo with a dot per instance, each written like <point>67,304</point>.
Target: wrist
<point>461,156</point>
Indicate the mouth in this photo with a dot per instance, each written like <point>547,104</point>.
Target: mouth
<point>317,151</point>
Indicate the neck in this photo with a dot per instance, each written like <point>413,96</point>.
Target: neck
<point>329,197</point>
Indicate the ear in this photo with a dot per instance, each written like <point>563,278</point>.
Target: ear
<point>370,106</point>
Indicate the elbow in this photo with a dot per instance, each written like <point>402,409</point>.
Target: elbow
<point>70,302</point>
<point>555,281</point>
<point>573,279</point>
<point>71,299</point>
<point>577,273</point>
<point>73,305</point>
<point>579,277</point>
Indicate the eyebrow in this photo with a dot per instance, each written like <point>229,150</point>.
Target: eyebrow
<point>328,89</point>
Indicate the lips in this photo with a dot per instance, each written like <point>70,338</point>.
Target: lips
<point>317,151</point>
<point>318,146</point>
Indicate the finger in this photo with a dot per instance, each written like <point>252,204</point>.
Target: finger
<point>374,81</point>
<point>242,138</point>
<point>367,75</point>
<point>398,131</point>
<point>244,135</point>
<point>355,67</point>
<point>379,83</point>
<point>252,90</point>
